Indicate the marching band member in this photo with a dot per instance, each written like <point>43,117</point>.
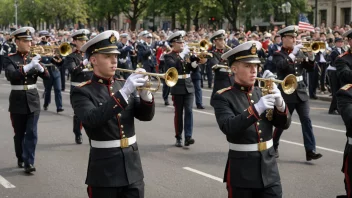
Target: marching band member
<point>107,108</point>
<point>251,169</point>
<point>124,58</point>
<point>183,92</point>
<point>79,73</point>
<point>223,77</point>
<point>288,61</point>
<point>343,63</point>
<point>24,108</point>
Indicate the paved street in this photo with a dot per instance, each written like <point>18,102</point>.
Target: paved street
<point>194,172</point>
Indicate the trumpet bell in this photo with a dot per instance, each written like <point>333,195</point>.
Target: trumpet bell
<point>65,49</point>
<point>171,77</point>
<point>289,84</point>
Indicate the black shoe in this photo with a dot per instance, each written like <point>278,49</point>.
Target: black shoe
<point>79,139</point>
<point>312,155</point>
<point>314,97</point>
<point>167,103</point>
<point>59,110</point>
<point>29,168</point>
<point>178,143</point>
<point>20,164</point>
<point>45,108</point>
<point>189,141</point>
<point>335,112</point>
<point>200,107</point>
<point>277,155</point>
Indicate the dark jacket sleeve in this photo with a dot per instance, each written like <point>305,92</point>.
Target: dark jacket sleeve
<point>169,61</point>
<point>229,123</point>
<point>71,64</point>
<point>144,111</point>
<point>11,72</point>
<point>93,116</point>
<point>144,51</point>
<point>45,74</point>
<point>344,73</point>
<point>281,120</point>
<point>333,57</point>
<point>280,63</point>
<point>344,104</point>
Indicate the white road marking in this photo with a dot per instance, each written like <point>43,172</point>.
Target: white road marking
<point>6,183</point>
<point>286,141</point>
<point>321,127</point>
<point>203,174</point>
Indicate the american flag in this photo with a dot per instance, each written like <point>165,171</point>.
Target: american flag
<point>304,24</point>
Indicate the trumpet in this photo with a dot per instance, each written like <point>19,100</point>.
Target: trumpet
<point>170,77</point>
<point>289,85</point>
<point>201,49</point>
<point>315,46</point>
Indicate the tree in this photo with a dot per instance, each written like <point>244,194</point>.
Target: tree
<point>230,10</point>
<point>134,11</point>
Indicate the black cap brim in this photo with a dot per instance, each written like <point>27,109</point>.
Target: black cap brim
<point>108,51</point>
<point>250,60</point>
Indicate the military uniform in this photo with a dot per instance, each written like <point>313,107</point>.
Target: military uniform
<point>24,101</point>
<point>344,102</point>
<point>343,64</point>
<point>182,93</point>
<point>146,55</point>
<point>124,57</point>
<point>251,169</point>
<point>222,77</point>
<point>298,100</point>
<point>74,64</point>
<point>114,168</point>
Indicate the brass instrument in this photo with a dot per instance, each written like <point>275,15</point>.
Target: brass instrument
<point>171,77</point>
<point>65,49</point>
<point>288,85</point>
<point>200,49</point>
<point>314,46</point>
<point>220,67</point>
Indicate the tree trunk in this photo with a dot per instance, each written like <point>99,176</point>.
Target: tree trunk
<point>196,21</point>
<point>133,24</point>
<point>173,20</point>
<point>188,18</point>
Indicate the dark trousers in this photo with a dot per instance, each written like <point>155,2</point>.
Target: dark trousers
<point>347,169</point>
<point>274,191</point>
<point>183,102</point>
<point>166,91</point>
<point>54,81</point>
<point>63,79</point>
<point>313,82</point>
<point>135,190</point>
<point>25,127</point>
<point>77,124</point>
<point>302,109</point>
<point>209,76</point>
<point>335,86</point>
<point>322,77</point>
<point>198,92</point>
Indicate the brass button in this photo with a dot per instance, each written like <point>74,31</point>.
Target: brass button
<point>250,94</point>
<point>111,88</point>
<point>296,72</point>
<point>260,131</point>
<point>252,101</point>
<point>121,126</point>
<point>25,81</point>
<point>115,106</point>
<point>257,123</point>
<point>119,114</point>
<point>25,77</point>
<point>122,132</point>
<point>123,135</point>
<point>242,88</point>
<point>112,94</point>
<point>296,68</point>
<point>261,139</point>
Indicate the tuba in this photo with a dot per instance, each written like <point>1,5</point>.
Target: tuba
<point>170,77</point>
<point>288,85</point>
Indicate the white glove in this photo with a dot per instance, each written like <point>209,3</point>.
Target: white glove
<point>39,67</point>
<point>132,82</point>
<point>279,101</point>
<point>30,65</point>
<point>145,94</point>
<point>194,64</point>
<point>266,102</point>
<point>37,57</point>
<point>268,74</point>
<point>295,51</point>
<point>85,69</point>
<point>85,62</point>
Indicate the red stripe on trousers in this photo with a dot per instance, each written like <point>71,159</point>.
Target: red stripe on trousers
<point>275,131</point>
<point>176,116</point>
<point>80,126</point>
<point>347,178</point>
<point>228,181</point>
<point>12,124</point>
<point>90,194</point>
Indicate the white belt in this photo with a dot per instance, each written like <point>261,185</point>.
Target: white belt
<point>349,140</point>
<point>23,87</point>
<point>123,143</point>
<point>299,78</point>
<point>75,83</point>
<point>184,76</point>
<point>251,147</point>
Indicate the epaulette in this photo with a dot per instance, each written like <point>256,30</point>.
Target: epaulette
<point>341,55</point>
<point>346,87</point>
<point>223,90</point>
<point>11,54</point>
<point>84,83</point>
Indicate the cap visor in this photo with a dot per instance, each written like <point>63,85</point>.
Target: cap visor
<point>109,51</point>
<point>250,60</point>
